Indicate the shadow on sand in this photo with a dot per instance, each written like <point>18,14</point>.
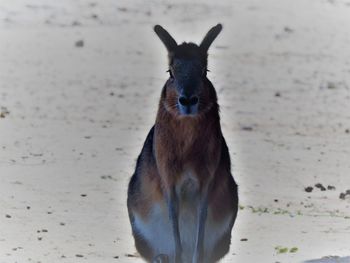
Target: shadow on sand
<point>330,259</point>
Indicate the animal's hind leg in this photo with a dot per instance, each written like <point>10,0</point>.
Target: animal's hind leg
<point>142,246</point>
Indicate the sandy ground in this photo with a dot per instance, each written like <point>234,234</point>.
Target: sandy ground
<point>74,116</point>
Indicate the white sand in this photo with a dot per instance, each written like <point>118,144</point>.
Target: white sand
<point>79,116</point>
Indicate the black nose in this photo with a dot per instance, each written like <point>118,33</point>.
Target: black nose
<point>186,101</point>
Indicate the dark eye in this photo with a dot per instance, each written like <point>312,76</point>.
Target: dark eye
<point>170,73</point>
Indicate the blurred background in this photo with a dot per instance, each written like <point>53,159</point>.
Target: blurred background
<point>79,89</point>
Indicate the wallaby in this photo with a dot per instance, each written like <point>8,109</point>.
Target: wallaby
<point>182,198</point>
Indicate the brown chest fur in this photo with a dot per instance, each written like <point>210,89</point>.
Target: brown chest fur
<point>187,143</point>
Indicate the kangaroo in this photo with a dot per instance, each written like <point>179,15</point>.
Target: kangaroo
<point>182,199</point>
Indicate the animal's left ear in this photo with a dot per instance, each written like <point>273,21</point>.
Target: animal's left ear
<point>210,37</point>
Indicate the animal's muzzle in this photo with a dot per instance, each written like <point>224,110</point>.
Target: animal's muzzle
<point>188,105</point>
<point>186,101</point>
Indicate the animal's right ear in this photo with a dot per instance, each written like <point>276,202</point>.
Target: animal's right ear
<point>166,38</point>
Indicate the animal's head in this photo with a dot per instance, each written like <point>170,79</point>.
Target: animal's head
<point>186,91</point>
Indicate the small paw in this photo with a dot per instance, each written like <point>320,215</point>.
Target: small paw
<point>161,258</point>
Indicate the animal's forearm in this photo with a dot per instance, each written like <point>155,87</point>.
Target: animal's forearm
<point>173,205</point>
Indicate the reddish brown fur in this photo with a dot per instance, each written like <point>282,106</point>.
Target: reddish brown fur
<point>185,142</point>
<point>179,143</point>
<point>194,141</point>
<point>152,187</point>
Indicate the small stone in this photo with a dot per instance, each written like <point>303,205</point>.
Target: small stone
<point>79,43</point>
<point>76,23</point>
<point>247,128</point>
<point>331,187</point>
<point>244,239</point>
<point>293,250</point>
<point>8,216</point>
<point>122,9</point>
<point>331,85</point>
<point>342,196</point>
<point>288,29</point>
<point>3,112</point>
<point>320,186</point>
<point>309,189</point>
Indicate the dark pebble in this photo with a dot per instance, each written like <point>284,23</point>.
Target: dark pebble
<point>331,85</point>
<point>76,23</point>
<point>79,43</point>
<point>288,29</point>
<point>331,187</point>
<point>247,128</point>
<point>320,186</point>
<point>122,9</point>
<point>342,196</point>
<point>309,189</point>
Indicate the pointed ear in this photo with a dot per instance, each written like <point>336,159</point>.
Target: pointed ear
<point>210,37</point>
<point>166,38</point>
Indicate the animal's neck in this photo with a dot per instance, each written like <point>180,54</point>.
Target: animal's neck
<point>187,130</point>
